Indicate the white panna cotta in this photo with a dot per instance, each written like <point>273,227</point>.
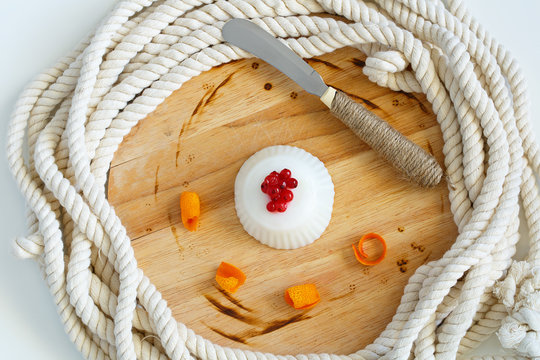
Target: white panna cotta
<point>307,214</point>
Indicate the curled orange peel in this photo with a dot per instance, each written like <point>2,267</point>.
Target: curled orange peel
<point>229,277</point>
<point>361,255</point>
<point>190,209</point>
<point>303,296</point>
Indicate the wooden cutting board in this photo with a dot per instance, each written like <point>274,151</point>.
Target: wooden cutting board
<point>198,138</point>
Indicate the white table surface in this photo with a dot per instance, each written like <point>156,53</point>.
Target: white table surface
<point>33,35</point>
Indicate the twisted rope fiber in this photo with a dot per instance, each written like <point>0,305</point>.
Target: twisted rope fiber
<point>73,117</point>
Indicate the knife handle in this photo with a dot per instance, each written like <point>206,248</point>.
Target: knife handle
<point>407,157</point>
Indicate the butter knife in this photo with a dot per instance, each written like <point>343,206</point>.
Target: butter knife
<point>407,157</point>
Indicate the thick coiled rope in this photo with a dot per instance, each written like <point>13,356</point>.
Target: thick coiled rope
<point>68,123</point>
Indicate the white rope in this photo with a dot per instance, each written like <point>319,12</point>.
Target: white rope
<point>72,118</point>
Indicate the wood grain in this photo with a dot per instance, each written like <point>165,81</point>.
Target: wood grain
<point>198,138</point>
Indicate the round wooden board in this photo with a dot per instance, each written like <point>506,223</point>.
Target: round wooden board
<point>198,138</point>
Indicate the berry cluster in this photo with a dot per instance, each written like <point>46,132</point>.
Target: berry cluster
<point>277,186</point>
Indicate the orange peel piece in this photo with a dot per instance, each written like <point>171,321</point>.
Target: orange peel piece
<point>303,296</point>
<point>190,209</point>
<point>361,255</point>
<point>229,277</point>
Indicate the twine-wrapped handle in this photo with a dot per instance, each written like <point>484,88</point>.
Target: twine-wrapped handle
<point>407,157</point>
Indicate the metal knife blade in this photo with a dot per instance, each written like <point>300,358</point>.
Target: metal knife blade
<point>251,38</point>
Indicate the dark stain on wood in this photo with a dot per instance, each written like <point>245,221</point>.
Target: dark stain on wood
<point>190,158</point>
<point>278,324</point>
<point>156,183</point>
<point>327,63</point>
<point>199,105</point>
<point>346,92</point>
<point>232,337</point>
<point>294,95</point>
<point>233,299</point>
<point>187,124</point>
<point>267,86</point>
<point>222,84</point>
<point>199,109</point>
<point>225,310</point>
<point>175,234</point>
<point>422,106</point>
<point>420,103</point>
<point>401,264</point>
<point>426,258</point>
<point>430,149</point>
<point>255,65</point>
<point>358,62</point>
<point>365,101</point>
<point>408,95</point>
<point>369,103</point>
<point>347,294</point>
<point>268,328</point>
<point>420,248</point>
<point>401,229</point>
<point>442,203</point>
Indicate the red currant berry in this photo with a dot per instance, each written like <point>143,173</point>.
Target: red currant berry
<point>271,206</point>
<point>292,183</point>
<point>264,187</point>
<point>274,193</point>
<point>285,174</point>
<point>281,206</point>
<point>287,195</point>
<point>277,186</point>
<point>273,180</point>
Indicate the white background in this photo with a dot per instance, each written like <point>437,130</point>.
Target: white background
<point>33,35</point>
